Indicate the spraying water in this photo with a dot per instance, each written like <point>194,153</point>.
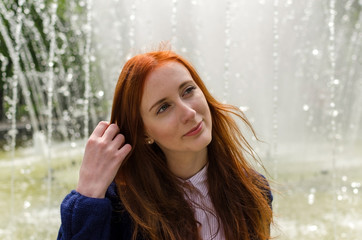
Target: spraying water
<point>293,67</point>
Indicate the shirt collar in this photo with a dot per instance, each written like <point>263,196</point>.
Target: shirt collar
<point>199,181</point>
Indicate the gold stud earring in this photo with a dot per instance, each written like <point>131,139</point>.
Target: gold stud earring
<point>150,141</point>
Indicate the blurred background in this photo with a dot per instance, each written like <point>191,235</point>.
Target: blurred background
<point>294,68</point>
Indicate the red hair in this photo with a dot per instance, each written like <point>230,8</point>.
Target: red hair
<point>152,194</point>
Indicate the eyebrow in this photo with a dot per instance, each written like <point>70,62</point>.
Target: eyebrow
<point>163,99</point>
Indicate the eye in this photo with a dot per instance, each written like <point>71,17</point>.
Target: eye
<point>163,108</point>
<point>189,90</point>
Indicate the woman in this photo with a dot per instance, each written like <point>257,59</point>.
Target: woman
<point>182,173</point>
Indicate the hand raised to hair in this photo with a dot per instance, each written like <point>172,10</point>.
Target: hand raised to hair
<point>104,153</point>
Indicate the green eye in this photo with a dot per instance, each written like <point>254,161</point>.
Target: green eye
<point>163,108</point>
<point>189,90</point>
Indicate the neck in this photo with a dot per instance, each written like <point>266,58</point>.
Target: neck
<point>185,165</point>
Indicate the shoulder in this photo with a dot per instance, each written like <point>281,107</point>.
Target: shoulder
<point>265,187</point>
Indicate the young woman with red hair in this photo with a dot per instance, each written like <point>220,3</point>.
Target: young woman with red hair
<point>170,165</point>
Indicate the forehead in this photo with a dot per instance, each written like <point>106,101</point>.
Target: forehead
<point>166,76</point>
<point>163,81</point>
<point>169,70</point>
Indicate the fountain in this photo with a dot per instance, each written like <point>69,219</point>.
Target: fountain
<point>294,67</point>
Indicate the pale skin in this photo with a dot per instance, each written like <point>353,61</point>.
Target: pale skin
<point>176,116</point>
<point>104,153</point>
<point>172,105</point>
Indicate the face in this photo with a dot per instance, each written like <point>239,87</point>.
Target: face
<point>174,110</point>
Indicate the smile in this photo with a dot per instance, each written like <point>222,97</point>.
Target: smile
<point>195,130</point>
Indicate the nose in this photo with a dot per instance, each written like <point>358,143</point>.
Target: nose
<point>186,112</point>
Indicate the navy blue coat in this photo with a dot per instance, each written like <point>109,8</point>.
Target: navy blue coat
<point>85,218</point>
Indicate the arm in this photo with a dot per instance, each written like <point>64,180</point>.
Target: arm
<point>85,218</point>
<point>86,213</point>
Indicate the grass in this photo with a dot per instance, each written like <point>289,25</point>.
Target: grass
<point>316,201</point>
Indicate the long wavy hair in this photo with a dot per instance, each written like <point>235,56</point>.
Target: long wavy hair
<point>154,197</point>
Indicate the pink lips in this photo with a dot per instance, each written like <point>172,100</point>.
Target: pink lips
<point>195,130</point>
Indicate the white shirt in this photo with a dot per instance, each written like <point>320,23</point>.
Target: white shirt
<point>197,193</point>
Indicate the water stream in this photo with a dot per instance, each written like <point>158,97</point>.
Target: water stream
<point>294,67</point>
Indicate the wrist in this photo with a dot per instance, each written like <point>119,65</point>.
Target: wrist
<point>91,193</point>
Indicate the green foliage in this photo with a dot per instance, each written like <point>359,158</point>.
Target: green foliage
<point>36,71</point>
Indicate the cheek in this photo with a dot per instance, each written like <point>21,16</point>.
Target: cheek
<point>162,130</point>
<point>203,107</point>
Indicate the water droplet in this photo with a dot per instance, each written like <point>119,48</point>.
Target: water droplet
<point>355,191</point>
<point>244,108</point>
<point>14,84</point>
<point>344,178</point>
<point>100,94</point>
<point>69,77</point>
<point>27,204</point>
<point>305,107</point>
<point>335,113</point>
<point>54,6</point>
<point>312,228</point>
<point>311,199</point>
<point>315,52</point>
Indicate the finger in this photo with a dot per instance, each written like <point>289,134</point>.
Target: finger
<point>118,141</point>
<point>111,132</point>
<point>124,151</point>
<point>100,128</point>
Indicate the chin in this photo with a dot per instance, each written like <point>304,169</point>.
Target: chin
<point>203,143</point>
